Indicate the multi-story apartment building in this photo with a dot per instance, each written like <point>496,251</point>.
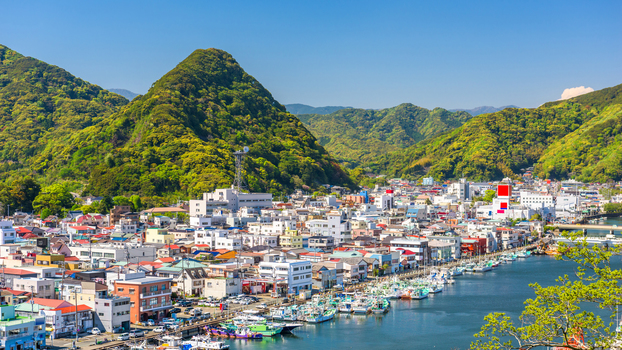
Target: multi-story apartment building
<point>116,211</point>
<point>291,239</point>
<point>291,276</point>
<point>150,297</point>
<point>131,252</point>
<point>20,332</point>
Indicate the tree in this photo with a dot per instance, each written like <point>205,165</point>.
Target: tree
<point>613,208</point>
<point>121,200</point>
<point>138,205</point>
<point>105,205</point>
<point>23,192</point>
<point>55,198</point>
<point>562,314</point>
<point>535,217</point>
<point>45,213</point>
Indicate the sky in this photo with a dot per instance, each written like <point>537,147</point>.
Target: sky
<point>365,54</point>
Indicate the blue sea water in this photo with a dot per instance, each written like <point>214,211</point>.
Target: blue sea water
<point>443,321</point>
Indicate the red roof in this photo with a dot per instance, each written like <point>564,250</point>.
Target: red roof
<point>172,246</point>
<point>72,258</point>
<point>22,230</point>
<point>30,235</point>
<point>53,303</point>
<point>81,241</point>
<point>16,292</point>
<point>202,245</point>
<point>167,259</point>
<point>81,228</point>
<point>11,271</point>
<point>70,309</point>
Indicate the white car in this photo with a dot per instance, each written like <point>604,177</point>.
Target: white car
<point>123,336</point>
<point>96,331</point>
<point>159,329</point>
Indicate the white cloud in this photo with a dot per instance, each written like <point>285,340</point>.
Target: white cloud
<point>575,91</point>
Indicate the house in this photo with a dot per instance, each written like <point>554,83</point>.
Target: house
<point>324,243</point>
<point>159,236</point>
<point>355,269</point>
<point>323,276</point>
<point>7,233</point>
<point>39,287</point>
<point>62,320</point>
<point>21,332</point>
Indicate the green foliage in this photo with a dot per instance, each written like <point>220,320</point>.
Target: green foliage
<point>42,107</point>
<point>591,153</point>
<point>136,202</point>
<point>19,194</point>
<point>180,136</point>
<point>536,217</point>
<point>579,136</point>
<point>613,208</point>
<point>55,198</point>
<point>104,205</point>
<point>45,213</point>
<point>356,136</point>
<point>564,311</point>
<point>487,197</point>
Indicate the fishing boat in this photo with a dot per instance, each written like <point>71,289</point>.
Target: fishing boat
<point>246,333</point>
<point>200,342</point>
<point>361,308</point>
<point>482,268</point>
<point>321,316</point>
<point>436,288</point>
<point>420,293</point>
<point>345,307</point>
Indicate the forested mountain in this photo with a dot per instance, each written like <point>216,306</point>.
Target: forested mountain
<point>125,93</point>
<point>357,136</point>
<point>579,136</point>
<point>297,108</point>
<point>179,137</point>
<point>41,108</point>
<point>481,110</point>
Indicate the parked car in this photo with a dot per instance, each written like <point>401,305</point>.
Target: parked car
<point>150,323</point>
<point>175,310</point>
<point>195,312</point>
<point>118,330</point>
<point>136,333</point>
<point>159,329</point>
<point>96,331</point>
<point>184,303</point>
<point>187,311</point>
<point>262,306</point>
<point>172,326</point>
<point>123,336</point>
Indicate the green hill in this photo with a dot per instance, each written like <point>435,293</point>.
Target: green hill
<point>41,107</point>
<point>179,137</point>
<point>357,136</point>
<point>492,146</point>
<point>297,108</point>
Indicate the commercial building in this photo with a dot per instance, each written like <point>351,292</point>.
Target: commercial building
<point>7,232</point>
<point>228,199</point>
<point>291,276</point>
<point>150,297</point>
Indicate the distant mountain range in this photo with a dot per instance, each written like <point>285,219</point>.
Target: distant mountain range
<point>298,108</point>
<point>483,109</point>
<point>125,93</point>
<point>356,136</point>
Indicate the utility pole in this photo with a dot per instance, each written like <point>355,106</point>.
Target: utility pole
<point>75,297</point>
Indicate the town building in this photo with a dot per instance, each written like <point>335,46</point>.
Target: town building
<point>20,332</point>
<point>150,297</point>
<point>228,198</point>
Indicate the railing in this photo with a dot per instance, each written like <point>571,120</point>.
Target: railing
<point>157,292</point>
<point>156,306</point>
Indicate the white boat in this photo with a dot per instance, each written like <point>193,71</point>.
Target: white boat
<point>482,268</point>
<point>361,308</point>
<point>199,342</point>
<point>419,294</point>
<point>436,288</point>
<point>345,307</point>
<point>320,317</point>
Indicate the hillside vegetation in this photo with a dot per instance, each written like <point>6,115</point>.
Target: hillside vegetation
<point>41,108</point>
<point>553,138</point>
<point>357,136</point>
<point>179,137</point>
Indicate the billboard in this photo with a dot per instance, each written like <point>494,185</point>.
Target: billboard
<point>504,205</point>
<point>504,190</point>
<point>42,242</point>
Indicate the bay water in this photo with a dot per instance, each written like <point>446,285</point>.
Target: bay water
<point>443,321</point>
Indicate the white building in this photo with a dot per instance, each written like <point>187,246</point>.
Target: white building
<point>230,199</point>
<point>218,239</point>
<point>334,225</point>
<point>131,252</point>
<point>7,232</point>
<point>277,227</point>
<point>415,245</point>
<point>296,274</point>
<point>461,189</point>
<point>251,240</point>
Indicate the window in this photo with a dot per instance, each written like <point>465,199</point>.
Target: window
<point>100,313</point>
<point>106,304</point>
<point>119,289</point>
<point>131,290</point>
<point>163,287</point>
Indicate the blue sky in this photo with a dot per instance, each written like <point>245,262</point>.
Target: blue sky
<point>368,54</point>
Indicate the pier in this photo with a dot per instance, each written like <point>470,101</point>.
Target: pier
<point>585,228</point>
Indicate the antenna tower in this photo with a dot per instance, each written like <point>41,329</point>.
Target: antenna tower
<point>239,183</point>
